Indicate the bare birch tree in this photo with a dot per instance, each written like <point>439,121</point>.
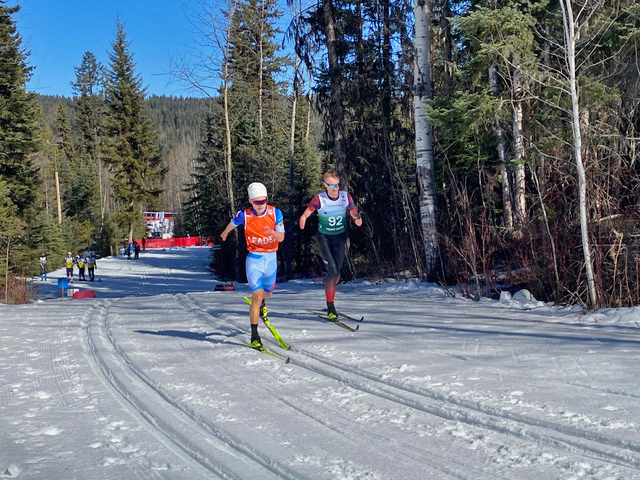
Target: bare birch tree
<point>422,96</point>
<point>568,23</point>
<point>208,70</point>
<point>505,172</point>
<point>517,92</point>
<point>227,120</point>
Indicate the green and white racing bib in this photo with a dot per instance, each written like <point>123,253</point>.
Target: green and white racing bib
<point>332,214</point>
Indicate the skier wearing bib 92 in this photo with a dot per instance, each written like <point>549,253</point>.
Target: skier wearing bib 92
<point>263,231</point>
<point>332,206</point>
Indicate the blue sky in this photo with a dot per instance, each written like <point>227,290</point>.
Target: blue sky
<point>57,33</point>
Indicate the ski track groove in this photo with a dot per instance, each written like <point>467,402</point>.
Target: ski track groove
<point>608,391</point>
<point>59,369</point>
<point>128,400</point>
<point>456,412</point>
<point>566,438</point>
<point>85,342</point>
<point>200,310</point>
<point>361,432</point>
<point>187,416</point>
<point>268,463</point>
<point>135,406</point>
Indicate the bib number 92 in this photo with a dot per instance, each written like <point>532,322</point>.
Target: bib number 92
<point>335,221</point>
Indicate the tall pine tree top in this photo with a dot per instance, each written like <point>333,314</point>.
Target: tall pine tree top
<point>89,104</point>
<point>133,154</point>
<point>136,149</point>
<point>19,132</point>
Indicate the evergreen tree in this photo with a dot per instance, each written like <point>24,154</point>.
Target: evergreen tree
<point>90,112</point>
<point>374,54</point>
<point>78,191</point>
<point>205,212</point>
<point>247,137</point>
<point>44,235</point>
<point>259,144</point>
<point>133,154</point>
<point>11,228</point>
<point>19,132</point>
<point>65,159</point>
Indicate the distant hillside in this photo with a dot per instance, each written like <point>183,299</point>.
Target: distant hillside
<point>176,118</point>
<point>179,122</point>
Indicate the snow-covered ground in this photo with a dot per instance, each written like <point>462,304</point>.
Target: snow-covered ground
<point>151,381</point>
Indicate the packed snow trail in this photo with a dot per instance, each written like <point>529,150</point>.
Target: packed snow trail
<point>150,380</point>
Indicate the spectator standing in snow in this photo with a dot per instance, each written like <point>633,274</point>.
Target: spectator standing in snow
<point>80,261</point>
<point>69,260</point>
<point>43,267</point>
<point>91,266</point>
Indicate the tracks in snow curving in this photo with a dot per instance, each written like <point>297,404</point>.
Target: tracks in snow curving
<point>566,438</point>
<point>197,439</point>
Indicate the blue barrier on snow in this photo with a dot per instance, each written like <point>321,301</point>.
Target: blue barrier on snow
<point>63,283</point>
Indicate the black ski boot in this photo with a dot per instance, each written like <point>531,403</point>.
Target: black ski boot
<point>331,311</point>
<point>256,342</point>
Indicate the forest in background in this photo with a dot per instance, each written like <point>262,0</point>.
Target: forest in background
<point>488,144</point>
<point>178,121</point>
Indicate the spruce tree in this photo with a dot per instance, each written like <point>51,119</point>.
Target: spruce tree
<point>44,235</point>
<point>65,159</point>
<point>90,111</point>
<point>11,227</point>
<point>133,154</point>
<point>259,144</point>
<point>206,210</point>
<point>252,143</point>
<point>78,191</point>
<point>19,130</point>
<point>371,75</point>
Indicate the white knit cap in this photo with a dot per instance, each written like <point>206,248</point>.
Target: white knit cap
<point>256,189</point>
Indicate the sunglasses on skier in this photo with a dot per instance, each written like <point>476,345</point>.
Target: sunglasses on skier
<point>259,202</point>
<point>332,185</point>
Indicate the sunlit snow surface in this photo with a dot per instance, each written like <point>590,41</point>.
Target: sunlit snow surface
<point>150,381</point>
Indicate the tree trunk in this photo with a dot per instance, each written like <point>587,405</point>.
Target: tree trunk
<point>292,159</point>
<point>101,191</point>
<point>307,131</point>
<point>387,65</point>
<point>234,250</point>
<point>6,275</point>
<point>130,229</point>
<point>260,81</point>
<point>570,40</point>
<point>518,151</point>
<point>424,133</point>
<point>103,176</point>
<point>336,114</point>
<point>225,104</point>
<point>505,173</point>
<point>58,203</point>
<point>227,128</point>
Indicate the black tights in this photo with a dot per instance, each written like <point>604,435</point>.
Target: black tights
<point>332,250</point>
